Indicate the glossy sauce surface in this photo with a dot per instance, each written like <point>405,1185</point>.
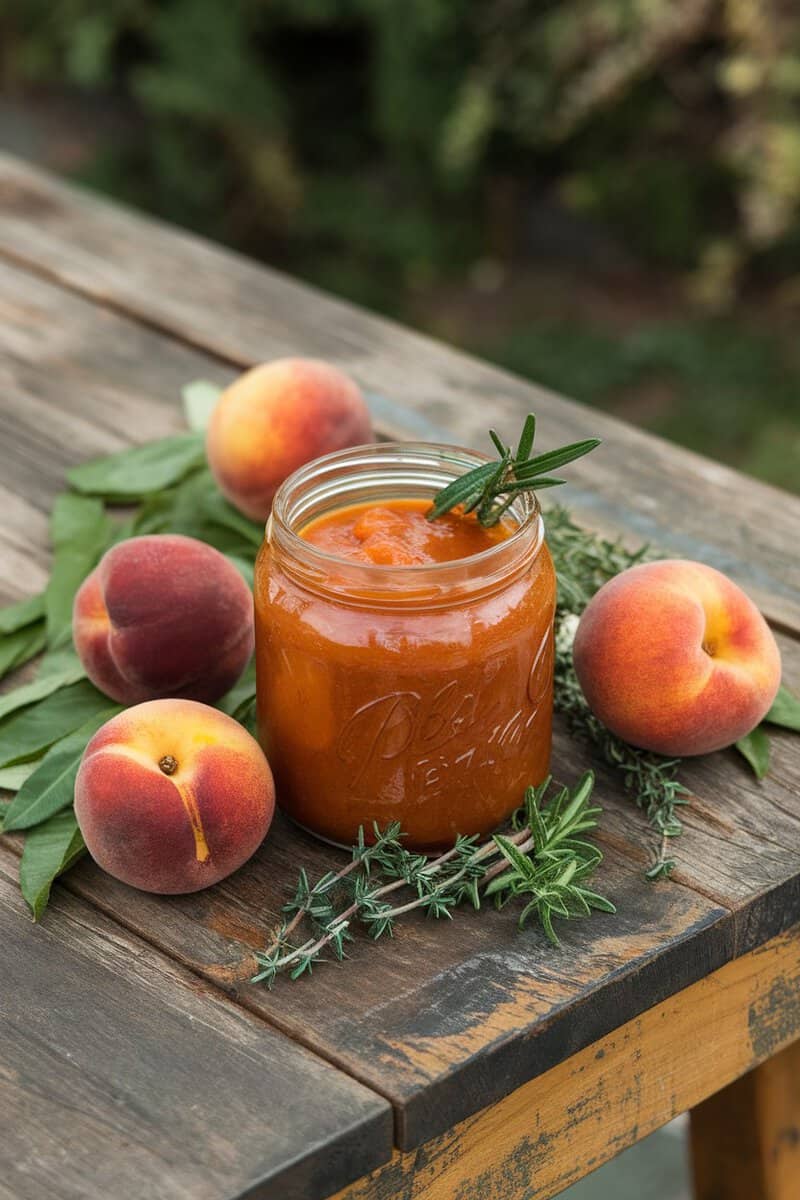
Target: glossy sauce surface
<point>398,533</point>
<point>437,716</point>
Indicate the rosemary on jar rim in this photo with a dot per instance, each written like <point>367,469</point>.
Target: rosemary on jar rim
<point>489,490</point>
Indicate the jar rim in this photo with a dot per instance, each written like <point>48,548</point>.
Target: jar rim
<point>446,462</point>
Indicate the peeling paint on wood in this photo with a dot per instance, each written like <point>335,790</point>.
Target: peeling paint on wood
<point>553,1130</point>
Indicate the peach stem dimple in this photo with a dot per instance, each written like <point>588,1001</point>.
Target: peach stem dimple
<point>168,764</point>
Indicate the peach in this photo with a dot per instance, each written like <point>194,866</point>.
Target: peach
<point>172,796</point>
<point>163,615</point>
<point>673,657</point>
<point>275,418</point>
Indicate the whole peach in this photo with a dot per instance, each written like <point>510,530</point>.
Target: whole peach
<point>163,615</point>
<point>172,796</point>
<point>673,657</point>
<point>275,418</point>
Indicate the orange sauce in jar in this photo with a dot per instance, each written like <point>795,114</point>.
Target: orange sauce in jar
<point>404,665</point>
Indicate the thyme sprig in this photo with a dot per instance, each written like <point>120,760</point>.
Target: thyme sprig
<point>584,562</point>
<point>490,489</point>
<point>542,858</point>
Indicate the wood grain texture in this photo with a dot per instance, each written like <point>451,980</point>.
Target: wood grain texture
<point>242,313</point>
<point>440,1022</point>
<point>123,1075</point>
<point>549,1133</point>
<point>746,1138</point>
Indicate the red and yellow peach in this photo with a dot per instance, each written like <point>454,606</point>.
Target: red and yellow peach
<point>172,796</point>
<point>163,615</point>
<point>275,418</point>
<point>673,657</point>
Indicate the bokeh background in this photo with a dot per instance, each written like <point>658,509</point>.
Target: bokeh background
<point>603,195</point>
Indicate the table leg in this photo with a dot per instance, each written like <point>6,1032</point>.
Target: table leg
<point>746,1138</point>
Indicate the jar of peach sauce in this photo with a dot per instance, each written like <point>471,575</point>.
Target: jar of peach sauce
<point>393,692</point>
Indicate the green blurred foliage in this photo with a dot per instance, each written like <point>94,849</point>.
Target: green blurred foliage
<point>710,384</point>
<point>380,149</point>
<point>385,129</point>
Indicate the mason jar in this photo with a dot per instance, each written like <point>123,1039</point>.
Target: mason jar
<point>414,693</point>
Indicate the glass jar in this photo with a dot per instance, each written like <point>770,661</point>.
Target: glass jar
<point>418,694</point>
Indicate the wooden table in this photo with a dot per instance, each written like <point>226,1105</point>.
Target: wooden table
<point>466,1063</point>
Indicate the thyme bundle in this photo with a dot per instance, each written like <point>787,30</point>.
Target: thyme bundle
<point>584,562</point>
<point>543,858</point>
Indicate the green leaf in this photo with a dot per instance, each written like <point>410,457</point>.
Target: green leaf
<point>596,901</point>
<point>785,710</point>
<point>242,691</point>
<point>134,474</point>
<point>24,612</point>
<point>461,489</point>
<point>245,567</point>
<point>514,857</point>
<point>56,671</point>
<point>754,746</point>
<point>26,733</point>
<point>195,508</point>
<point>50,849</point>
<point>199,401</point>
<point>526,438</point>
<point>555,458</point>
<point>18,647</point>
<point>51,786</point>
<point>217,509</point>
<point>80,530</point>
<point>12,778</point>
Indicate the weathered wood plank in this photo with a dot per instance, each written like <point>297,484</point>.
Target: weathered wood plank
<point>121,1074</point>
<point>551,1132</point>
<point>440,1022</point>
<point>241,312</point>
<point>746,1138</point>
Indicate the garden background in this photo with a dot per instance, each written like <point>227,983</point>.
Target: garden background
<point>603,195</point>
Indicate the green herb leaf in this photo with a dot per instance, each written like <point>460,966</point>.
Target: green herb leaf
<point>134,474</point>
<point>785,710</point>
<point>56,671</point>
<point>80,531</point>
<point>196,508</point>
<point>50,849</point>
<point>200,398</point>
<point>245,566</point>
<point>754,746</point>
<point>554,459</point>
<point>243,690</point>
<point>461,490</point>
<point>526,438</point>
<point>52,785</point>
<point>12,778</point>
<point>26,733</point>
<point>24,612</point>
<point>219,512</point>
<point>489,489</point>
<point>18,647</point>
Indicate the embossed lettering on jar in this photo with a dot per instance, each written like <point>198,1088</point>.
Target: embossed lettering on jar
<point>399,689</point>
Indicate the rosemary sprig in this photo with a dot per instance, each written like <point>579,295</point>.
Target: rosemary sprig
<point>584,562</point>
<point>489,490</point>
<point>542,858</point>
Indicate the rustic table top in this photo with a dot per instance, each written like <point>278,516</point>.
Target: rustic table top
<point>134,1061</point>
